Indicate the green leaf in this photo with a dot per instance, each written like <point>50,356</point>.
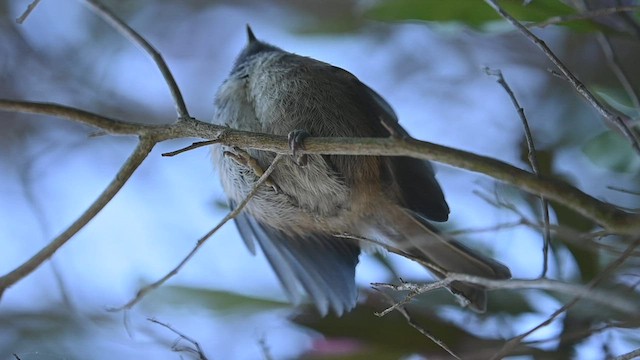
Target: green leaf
<point>216,300</point>
<point>618,99</point>
<point>474,13</point>
<point>611,151</point>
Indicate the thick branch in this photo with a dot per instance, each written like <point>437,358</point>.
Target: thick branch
<point>604,214</point>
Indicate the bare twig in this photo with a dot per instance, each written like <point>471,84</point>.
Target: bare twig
<point>148,288</point>
<point>131,164</point>
<point>590,289</point>
<point>195,145</point>
<point>420,329</point>
<point>135,38</point>
<point>625,17</point>
<point>492,228</point>
<point>196,347</point>
<point>533,161</point>
<point>264,348</point>
<point>616,67</point>
<point>627,191</point>
<point>602,213</point>
<point>619,121</point>
<point>414,290</point>
<point>39,214</point>
<point>586,292</point>
<point>628,356</point>
<point>602,297</point>
<point>592,14</point>
<point>586,240</point>
<point>27,11</point>
<point>610,55</point>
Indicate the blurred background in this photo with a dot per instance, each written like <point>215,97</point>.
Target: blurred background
<point>425,57</point>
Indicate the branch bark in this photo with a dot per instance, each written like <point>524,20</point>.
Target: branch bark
<point>602,213</point>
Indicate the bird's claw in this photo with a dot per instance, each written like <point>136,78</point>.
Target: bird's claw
<point>296,137</point>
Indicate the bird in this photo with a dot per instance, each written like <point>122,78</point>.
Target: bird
<point>312,198</point>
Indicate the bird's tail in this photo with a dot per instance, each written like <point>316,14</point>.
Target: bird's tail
<point>415,236</point>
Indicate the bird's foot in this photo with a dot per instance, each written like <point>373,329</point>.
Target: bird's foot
<point>296,137</point>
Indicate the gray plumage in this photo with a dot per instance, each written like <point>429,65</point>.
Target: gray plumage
<point>273,91</point>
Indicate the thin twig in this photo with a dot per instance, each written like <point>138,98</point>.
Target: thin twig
<point>196,350</point>
<point>533,161</point>
<point>616,67</point>
<point>131,164</point>
<point>628,356</point>
<point>626,191</point>
<point>492,228</point>
<point>587,292</point>
<point>585,240</point>
<point>39,214</point>
<point>135,38</point>
<point>617,120</point>
<point>414,290</point>
<point>420,329</point>
<point>148,288</point>
<point>592,14</point>
<point>625,17</point>
<point>590,288</point>
<point>264,348</point>
<point>27,11</point>
<point>606,215</point>
<point>603,297</point>
<point>195,145</point>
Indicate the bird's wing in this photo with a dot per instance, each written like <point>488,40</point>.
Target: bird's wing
<point>319,265</point>
<point>419,189</point>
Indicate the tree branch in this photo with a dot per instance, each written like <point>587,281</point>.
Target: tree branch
<point>584,292</point>
<point>604,214</point>
<point>592,284</point>
<point>419,328</point>
<point>135,38</point>
<point>585,15</point>
<point>628,356</point>
<point>619,121</point>
<point>148,288</point>
<point>195,350</point>
<point>27,11</point>
<point>533,161</point>
<point>140,153</point>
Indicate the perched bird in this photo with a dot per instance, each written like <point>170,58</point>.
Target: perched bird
<point>389,199</point>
